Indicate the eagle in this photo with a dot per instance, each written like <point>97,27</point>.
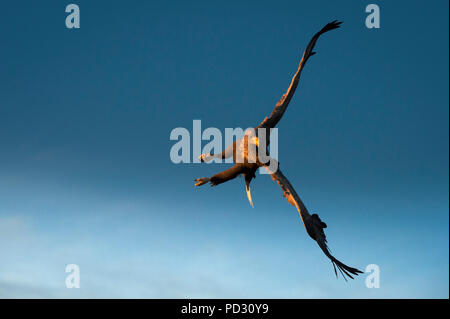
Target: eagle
<point>247,159</point>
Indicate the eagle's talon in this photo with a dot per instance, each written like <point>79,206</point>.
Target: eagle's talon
<point>202,180</point>
<point>204,157</point>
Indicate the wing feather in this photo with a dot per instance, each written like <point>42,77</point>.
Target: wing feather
<point>283,103</point>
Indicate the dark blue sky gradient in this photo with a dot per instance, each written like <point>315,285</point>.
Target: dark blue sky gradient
<point>85,173</point>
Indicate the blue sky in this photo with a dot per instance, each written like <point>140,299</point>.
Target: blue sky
<point>86,178</point>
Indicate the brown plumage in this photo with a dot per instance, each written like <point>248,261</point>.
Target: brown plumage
<point>249,162</point>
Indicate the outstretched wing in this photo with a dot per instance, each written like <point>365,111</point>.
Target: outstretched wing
<point>283,103</point>
<point>314,226</point>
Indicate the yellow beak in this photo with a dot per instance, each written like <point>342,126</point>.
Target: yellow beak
<point>255,141</point>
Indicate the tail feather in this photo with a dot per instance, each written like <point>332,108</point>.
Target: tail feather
<point>249,194</point>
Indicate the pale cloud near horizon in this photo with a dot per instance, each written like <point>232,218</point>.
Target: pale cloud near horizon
<point>140,251</point>
<point>33,266</point>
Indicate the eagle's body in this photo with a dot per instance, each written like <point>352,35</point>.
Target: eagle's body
<point>246,158</point>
